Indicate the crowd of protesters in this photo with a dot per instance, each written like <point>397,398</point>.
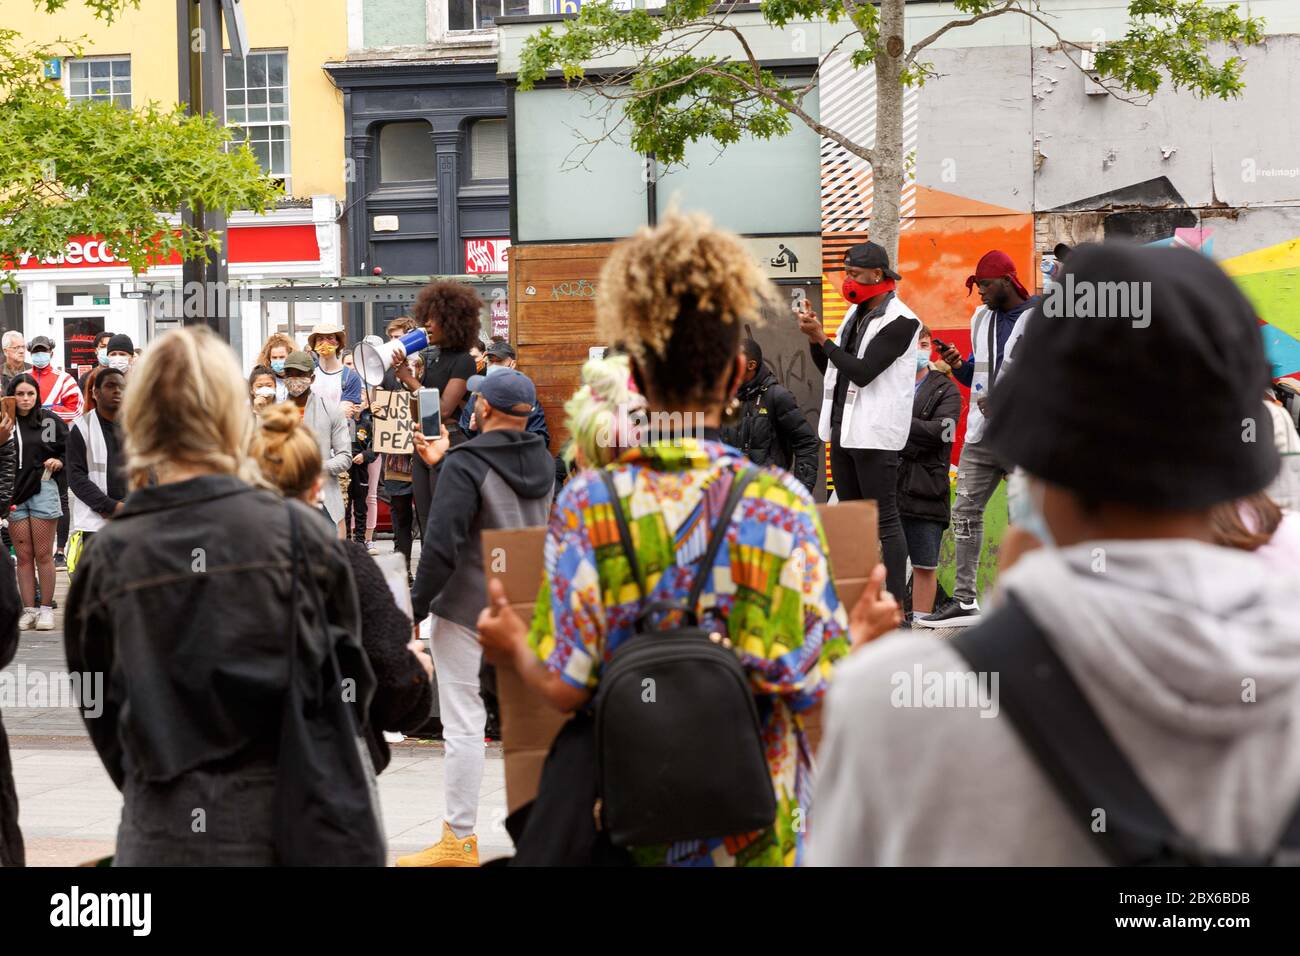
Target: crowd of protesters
<point>246,506</point>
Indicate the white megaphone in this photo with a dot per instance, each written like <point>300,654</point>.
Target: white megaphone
<point>372,361</point>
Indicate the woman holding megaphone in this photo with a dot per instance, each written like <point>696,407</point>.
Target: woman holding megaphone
<point>448,314</point>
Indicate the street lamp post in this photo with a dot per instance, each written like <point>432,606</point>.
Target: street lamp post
<point>201,70</point>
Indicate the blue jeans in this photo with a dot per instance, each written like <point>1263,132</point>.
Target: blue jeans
<point>44,504</point>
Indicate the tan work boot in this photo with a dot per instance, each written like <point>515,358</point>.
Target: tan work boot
<point>450,851</point>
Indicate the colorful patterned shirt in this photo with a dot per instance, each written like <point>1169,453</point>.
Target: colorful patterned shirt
<point>771,588</point>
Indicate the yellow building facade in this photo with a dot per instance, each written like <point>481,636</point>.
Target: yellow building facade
<point>279,99</point>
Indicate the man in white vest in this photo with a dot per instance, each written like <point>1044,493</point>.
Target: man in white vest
<point>996,326</point>
<point>870,379</point>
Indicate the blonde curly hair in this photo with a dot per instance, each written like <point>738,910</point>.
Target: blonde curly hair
<point>676,296</point>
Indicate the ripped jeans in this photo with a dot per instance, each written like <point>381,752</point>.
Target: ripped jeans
<point>978,474</point>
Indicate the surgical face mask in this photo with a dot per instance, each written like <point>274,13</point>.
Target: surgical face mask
<point>102,355</point>
<point>297,387</point>
<point>277,366</point>
<point>922,359</point>
<point>265,391</point>
<point>1025,508</point>
<point>119,362</point>
<point>41,359</point>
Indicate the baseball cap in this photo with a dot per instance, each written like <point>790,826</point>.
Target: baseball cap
<point>41,342</point>
<point>870,255</point>
<point>300,361</point>
<point>509,391</point>
<point>500,350</point>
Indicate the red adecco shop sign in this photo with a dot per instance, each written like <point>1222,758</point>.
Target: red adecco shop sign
<point>247,244</point>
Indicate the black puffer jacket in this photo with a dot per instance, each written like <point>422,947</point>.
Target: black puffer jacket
<point>773,431</point>
<point>923,487</point>
<point>184,602</point>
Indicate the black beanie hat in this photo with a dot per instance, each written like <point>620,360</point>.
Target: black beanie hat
<point>1161,407</point>
<point>121,343</point>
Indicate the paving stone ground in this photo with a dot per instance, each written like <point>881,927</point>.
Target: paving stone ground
<point>69,808</point>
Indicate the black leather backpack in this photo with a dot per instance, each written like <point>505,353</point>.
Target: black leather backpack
<point>678,748</point>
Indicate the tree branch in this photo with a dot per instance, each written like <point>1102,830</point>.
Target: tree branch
<point>1008,7</point>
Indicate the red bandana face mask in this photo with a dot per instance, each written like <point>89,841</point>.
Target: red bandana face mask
<point>857,292</point>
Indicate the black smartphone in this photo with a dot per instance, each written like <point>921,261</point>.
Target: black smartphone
<point>940,345</point>
<point>430,410</point>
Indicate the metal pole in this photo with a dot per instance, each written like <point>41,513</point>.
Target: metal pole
<point>202,88</point>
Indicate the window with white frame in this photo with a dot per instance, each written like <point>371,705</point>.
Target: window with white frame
<point>101,79</point>
<point>481,14</point>
<point>257,108</point>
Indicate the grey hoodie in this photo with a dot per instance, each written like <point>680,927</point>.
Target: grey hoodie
<point>1165,642</point>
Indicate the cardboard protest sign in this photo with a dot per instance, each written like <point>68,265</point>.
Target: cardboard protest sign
<point>529,724</point>
<point>393,424</point>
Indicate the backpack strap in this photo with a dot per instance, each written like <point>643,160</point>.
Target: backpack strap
<point>1075,751</point>
<point>716,538</point>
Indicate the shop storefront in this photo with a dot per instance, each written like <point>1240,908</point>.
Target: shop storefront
<point>85,290</point>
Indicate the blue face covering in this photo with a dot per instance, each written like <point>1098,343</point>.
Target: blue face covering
<point>102,355</point>
<point>1025,511</point>
<point>277,366</point>
<point>922,359</point>
<point>40,359</point>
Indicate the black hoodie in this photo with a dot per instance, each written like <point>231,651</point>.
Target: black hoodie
<point>501,479</point>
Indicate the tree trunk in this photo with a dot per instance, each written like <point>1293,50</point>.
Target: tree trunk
<point>888,171</point>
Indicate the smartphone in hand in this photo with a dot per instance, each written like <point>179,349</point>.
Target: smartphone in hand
<point>430,411</point>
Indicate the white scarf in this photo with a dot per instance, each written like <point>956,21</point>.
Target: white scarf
<point>84,518</point>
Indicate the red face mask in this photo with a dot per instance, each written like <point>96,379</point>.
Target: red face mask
<point>857,292</point>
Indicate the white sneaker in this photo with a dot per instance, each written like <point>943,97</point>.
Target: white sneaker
<point>45,619</point>
<point>393,737</point>
<point>28,619</point>
<point>370,547</point>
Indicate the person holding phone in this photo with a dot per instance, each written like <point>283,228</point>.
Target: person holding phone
<point>42,439</point>
<point>451,313</point>
<point>501,479</point>
<point>996,327</point>
<point>866,411</point>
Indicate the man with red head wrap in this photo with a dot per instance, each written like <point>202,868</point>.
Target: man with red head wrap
<point>995,327</point>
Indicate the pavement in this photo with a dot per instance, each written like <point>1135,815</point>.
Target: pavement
<point>69,808</point>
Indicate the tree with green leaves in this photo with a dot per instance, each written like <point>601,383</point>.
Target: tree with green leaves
<point>672,89</point>
<point>96,169</point>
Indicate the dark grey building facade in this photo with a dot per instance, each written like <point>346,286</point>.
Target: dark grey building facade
<point>427,169</point>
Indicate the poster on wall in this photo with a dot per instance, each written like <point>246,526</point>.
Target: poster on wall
<point>486,255</point>
<point>79,342</point>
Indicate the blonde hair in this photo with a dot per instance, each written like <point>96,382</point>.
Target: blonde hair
<point>598,413</point>
<point>286,451</point>
<point>675,297</point>
<point>187,405</point>
<point>275,338</point>
<point>403,322</point>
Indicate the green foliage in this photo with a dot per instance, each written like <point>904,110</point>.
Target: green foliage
<point>95,169</point>
<point>1169,39</point>
<point>673,95</point>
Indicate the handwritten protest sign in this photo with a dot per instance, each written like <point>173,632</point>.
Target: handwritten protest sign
<point>392,423</point>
